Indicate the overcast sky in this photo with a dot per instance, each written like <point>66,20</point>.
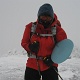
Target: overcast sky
<point>15,14</point>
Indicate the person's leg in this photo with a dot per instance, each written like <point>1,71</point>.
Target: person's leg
<point>50,74</point>
<point>31,74</point>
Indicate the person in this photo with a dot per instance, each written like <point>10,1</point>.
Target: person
<point>40,44</point>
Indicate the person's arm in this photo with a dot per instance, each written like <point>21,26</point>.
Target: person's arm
<point>61,34</point>
<point>26,37</point>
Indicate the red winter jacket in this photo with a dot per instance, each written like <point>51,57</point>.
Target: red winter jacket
<point>46,44</point>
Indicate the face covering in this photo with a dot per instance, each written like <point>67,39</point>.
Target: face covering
<point>45,23</point>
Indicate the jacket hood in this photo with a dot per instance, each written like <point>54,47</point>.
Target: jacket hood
<point>46,9</point>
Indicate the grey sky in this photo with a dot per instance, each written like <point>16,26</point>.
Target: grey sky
<point>15,14</point>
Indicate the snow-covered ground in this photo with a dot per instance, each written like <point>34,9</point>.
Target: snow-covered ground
<point>70,69</point>
<point>12,66</point>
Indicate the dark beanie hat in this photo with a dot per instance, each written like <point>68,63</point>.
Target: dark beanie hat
<point>46,9</point>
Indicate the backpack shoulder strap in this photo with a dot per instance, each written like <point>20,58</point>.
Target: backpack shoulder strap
<point>33,28</point>
<point>54,31</point>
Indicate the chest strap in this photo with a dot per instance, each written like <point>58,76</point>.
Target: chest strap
<point>45,35</point>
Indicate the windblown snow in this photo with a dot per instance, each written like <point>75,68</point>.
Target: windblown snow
<point>12,66</point>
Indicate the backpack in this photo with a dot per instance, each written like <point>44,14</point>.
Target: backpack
<point>53,30</point>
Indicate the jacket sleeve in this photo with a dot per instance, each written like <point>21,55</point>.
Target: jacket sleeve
<point>60,34</point>
<point>26,37</point>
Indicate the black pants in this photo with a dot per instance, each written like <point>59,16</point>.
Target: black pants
<point>49,74</point>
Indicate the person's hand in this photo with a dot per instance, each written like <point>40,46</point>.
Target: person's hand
<point>34,47</point>
<point>48,61</point>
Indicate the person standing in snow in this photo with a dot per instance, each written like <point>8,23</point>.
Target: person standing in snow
<point>39,44</point>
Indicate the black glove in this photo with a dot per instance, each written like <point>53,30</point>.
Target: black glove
<point>34,47</point>
<point>48,61</point>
